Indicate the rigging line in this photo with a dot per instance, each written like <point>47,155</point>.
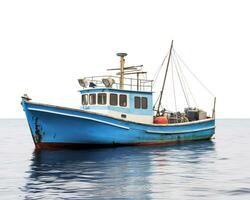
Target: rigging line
<point>178,68</point>
<point>187,101</point>
<point>176,116</point>
<point>185,80</point>
<point>156,102</point>
<point>155,77</point>
<point>202,84</point>
<point>174,86</point>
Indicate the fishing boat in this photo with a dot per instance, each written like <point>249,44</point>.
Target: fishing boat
<point>117,111</point>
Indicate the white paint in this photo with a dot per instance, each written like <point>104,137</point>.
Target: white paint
<point>180,132</point>
<point>129,117</point>
<point>77,116</point>
<point>46,45</point>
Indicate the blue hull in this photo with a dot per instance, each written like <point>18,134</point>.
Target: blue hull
<point>53,126</point>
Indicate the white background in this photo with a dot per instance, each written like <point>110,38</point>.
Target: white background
<point>46,45</point>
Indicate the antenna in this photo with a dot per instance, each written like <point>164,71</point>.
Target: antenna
<point>137,69</point>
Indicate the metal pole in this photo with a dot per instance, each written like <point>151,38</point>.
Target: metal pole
<point>122,62</point>
<point>213,116</point>
<point>163,85</point>
<point>137,80</point>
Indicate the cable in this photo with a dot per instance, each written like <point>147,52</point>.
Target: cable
<point>159,69</point>
<point>156,102</point>
<point>183,89</point>
<point>202,84</point>
<point>174,87</point>
<point>185,80</point>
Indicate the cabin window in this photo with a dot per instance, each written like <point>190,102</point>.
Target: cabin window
<point>123,100</point>
<point>113,99</point>
<point>141,102</point>
<point>85,99</point>
<point>92,99</point>
<point>102,98</point>
<point>144,102</point>
<point>137,102</point>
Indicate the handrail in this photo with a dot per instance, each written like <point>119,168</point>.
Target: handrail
<point>129,83</point>
<point>112,76</point>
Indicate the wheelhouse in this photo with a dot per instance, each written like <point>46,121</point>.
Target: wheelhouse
<point>123,104</point>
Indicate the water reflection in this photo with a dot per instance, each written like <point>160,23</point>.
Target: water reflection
<point>127,172</point>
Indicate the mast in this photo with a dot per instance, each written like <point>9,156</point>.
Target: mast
<point>164,81</point>
<point>122,62</point>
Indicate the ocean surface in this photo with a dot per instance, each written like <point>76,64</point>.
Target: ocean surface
<point>216,169</point>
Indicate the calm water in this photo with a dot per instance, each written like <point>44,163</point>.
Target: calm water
<point>217,169</point>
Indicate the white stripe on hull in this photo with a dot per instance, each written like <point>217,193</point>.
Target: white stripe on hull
<point>179,132</point>
<point>77,116</point>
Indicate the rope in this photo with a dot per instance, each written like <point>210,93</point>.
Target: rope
<point>174,87</point>
<point>202,84</point>
<point>159,69</point>
<point>156,102</point>
<point>175,103</point>
<point>183,89</point>
<point>185,80</point>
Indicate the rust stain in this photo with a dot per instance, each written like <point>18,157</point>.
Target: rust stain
<point>38,131</point>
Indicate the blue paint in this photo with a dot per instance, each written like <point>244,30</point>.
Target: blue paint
<point>130,109</point>
<point>63,125</point>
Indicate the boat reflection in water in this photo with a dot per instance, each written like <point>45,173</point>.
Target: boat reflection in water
<point>126,172</point>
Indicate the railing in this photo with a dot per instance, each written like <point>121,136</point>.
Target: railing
<point>129,83</point>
